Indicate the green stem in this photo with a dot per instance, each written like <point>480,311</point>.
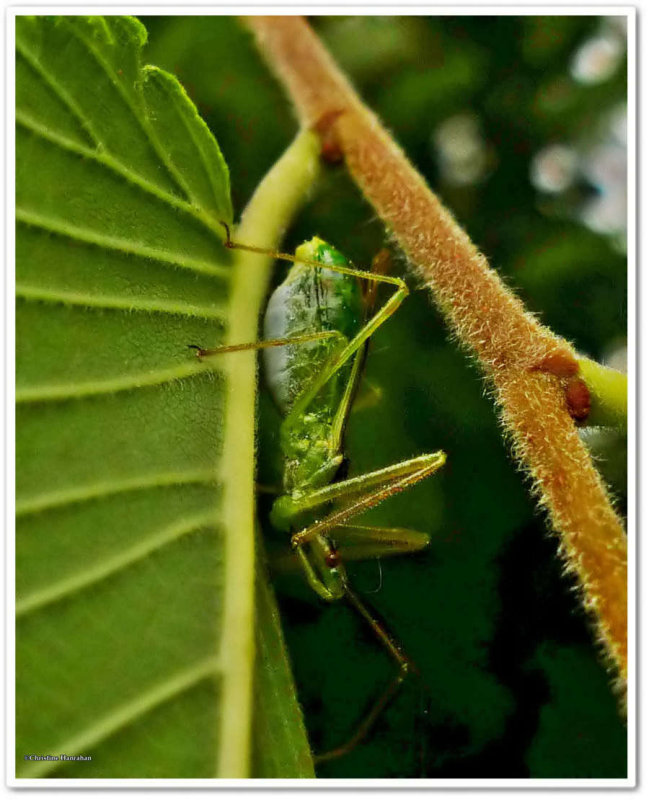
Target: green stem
<point>608,389</point>
<point>276,200</point>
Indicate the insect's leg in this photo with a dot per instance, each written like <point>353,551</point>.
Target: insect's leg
<point>380,265</point>
<point>344,407</point>
<point>233,348</point>
<point>376,487</point>
<point>380,262</point>
<point>389,481</point>
<point>361,542</point>
<point>401,477</point>
<point>369,500</point>
<point>366,724</point>
<point>405,667</point>
<point>364,496</point>
<point>313,575</point>
<point>376,277</point>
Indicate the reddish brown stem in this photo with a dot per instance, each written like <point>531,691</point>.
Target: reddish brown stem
<point>518,355</point>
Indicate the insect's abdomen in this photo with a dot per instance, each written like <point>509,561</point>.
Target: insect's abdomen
<point>310,300</point>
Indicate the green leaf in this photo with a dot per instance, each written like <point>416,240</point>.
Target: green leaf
<point>134,548</point>
<point>281,748</point>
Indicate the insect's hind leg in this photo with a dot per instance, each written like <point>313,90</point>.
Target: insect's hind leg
<point>405,668</point>
<point>363,542</point>
<point>361,493</point>
<point>365,492</point>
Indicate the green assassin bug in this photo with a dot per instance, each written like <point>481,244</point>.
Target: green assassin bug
<point>315,334</point>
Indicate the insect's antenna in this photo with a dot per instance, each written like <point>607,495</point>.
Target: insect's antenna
<point>380,584</point>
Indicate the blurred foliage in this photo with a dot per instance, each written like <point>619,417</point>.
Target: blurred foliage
<point>512,685</point>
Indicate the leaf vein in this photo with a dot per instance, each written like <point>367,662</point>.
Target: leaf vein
<point>115,243</point>
<point>84,494</point>
<point>83,580</point>
<point>59,91</point>
<point>120,303</point>
<point>105,159</point>
<point>136,112</point>
<point>124,715</point>
<point>53,392</point>
<point>201,152</point>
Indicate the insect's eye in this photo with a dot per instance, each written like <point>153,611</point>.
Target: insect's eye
<point>332,559</point>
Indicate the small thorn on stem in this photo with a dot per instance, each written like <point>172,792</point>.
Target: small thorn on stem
<point>578,399</point>
<point>330,147</point>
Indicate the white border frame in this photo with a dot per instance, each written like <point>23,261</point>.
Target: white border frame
<point>633,331</point>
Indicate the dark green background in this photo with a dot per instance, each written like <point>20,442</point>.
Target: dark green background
<point>511,684</point>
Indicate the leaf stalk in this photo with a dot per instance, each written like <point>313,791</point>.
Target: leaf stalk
<point>264,221</point>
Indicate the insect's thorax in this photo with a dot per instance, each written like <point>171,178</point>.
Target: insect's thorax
<point>310,300</point>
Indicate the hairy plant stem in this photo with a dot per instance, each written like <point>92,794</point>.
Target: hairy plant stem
<point>264,221</point>
<point>527,366</point>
